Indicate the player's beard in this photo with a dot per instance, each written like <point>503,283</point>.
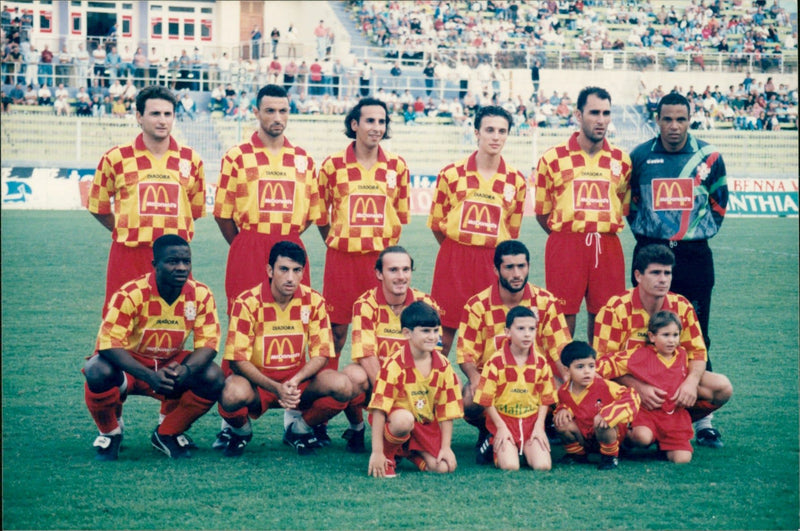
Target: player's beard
<point>507,285</point>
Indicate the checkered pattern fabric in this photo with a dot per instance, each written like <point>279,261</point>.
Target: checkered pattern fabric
<point>615,403</point>
<point>516,390</point>
<point>276,340</point>
<point>483,322</point>
<point>149,197</point>
<point>622,324</point>
<point>474,211</point>
<point>434,398</point>
<point>138,320</point>
<point>269,194</point>
<point>365,208</point>
<point>647,365</point>
<point>583,193</point>
<point>376,328</point>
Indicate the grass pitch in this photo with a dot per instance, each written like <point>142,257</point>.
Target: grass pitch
<point>53,270</point>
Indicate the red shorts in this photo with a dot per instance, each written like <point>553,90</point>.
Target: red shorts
<point>423,438</point>
<point>521,428</point>
<point>347,276</point>
<point>587,430</point>
<point>125,264</point>
<point>578,265</point>
<point>461,271</point>
<point>267,399</point>
<point>248,258</point>
<point>672,431</point>
<point>135,386</point>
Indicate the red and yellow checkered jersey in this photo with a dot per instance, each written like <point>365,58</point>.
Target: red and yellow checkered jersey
<point>481,332</point>
<point>583,193</point>
<point>622,324</point>
<point>150,197</point>
<point>516,390</point>
<point>475,211</point>
<point>276,340</point>
<point>434,398</point>
<point>647,365</point>
<point>270,194</point>
<point>138,320</point>
<point>614,402</point>
<point>376,328</point>
<point>365,207</point>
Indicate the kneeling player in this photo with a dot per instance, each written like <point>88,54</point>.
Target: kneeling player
<point>516,388</point>
<point>592,411</point>
<point>140,351</point>
<point>271,327</point>
<point>415,399</point>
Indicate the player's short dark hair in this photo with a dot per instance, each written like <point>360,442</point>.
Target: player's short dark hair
<point>591,91</point>
<point>167,240</point>
<point>655,253</point>
<point>154,92</point>
<point>492,110</point>
<point>392,249</point>
<point>576,350</point>
<point>355,114</point>
<point>289,250</point>
<point>661,319</point>
<point>519,311</point>
<point>272,91</point>
<point>419,313</point>
<point>510,248</point>
<point>673,98</point>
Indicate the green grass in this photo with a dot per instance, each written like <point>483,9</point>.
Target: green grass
<point>53,269</point>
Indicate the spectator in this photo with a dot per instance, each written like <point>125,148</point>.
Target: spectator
<point>225,68</point>
<point>289,74</point>
<point>315,79</point>
<point>291,42</point>
<point>64,67</point>
<point>17,95</point>
<point>274,71</point>
<point>31,96</point>
<point>46,67</point>
<point>428,72</point>
<point>275,37</point>
<point>45,97</point>
<point>118,108</point>
<point>396,72</point>
<point>99,66</point>
<point>255,39</point>
<point>113,62</point>
<point>116,90</point>
<point>139,67</point>
<point>186,106</point>
<point>321,36</point>
<point>84,103</point>
<point>365,77</point>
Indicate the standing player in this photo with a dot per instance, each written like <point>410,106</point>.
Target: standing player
<point>582,194</point>
<point>364,192</point>
<point>478,204</point>
<point>272,326</point>
<point>678,198</point>
<point>156,187</point>
<point>140,351</point>
<point>377,332</point>
<point>267,193</point>
<point>483,322</point>
<point>622,325</point>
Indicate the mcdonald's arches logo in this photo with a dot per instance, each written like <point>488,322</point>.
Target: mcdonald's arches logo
<point>480,218</point>
<point>673,194</point>
<point>158,199</point>
<point>367,210</point>
<point>282,351</point>
<point>388,346</point>
<point>275,196</point>
<point>159,343</point>
<point>591,195</point>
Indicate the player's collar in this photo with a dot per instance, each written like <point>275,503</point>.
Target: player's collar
<point>472,164</point>
<point>508,357</point>
<point>139,145</point>
<point>494,294</point>
<point>256,140</point>
<point>350,154</point>
<point>573,145</point>
<point>380,297</point>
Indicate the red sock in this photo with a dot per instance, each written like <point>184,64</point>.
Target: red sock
<point>575,448</point>
<point>322,410</point>
<point>236,419</point>
<point>392,443</point>
<point>701,408</point>
<point>103,407</point>
<point>610,448</point>
<point>355,409</point>
<point>190,408</point>
<point>169,405</point>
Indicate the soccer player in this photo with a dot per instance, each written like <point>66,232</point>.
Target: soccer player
<point>478,203</point>
<point>582,194</point>
<point>267,193</point>
<point>592,412</point>
<point>364,192</point>
<point>272,327</point>
<point>678,198</point>
<point>377,332</point>
<point>483,321</point>
<point>415,399</point>
<point>622,325</point>
<point>516,388</point>
<point>156,187</point>
<point>140,351</point>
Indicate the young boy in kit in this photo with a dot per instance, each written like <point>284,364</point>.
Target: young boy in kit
<point>415,399</point>
<point>516,388</point>
<point>592,412</point>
